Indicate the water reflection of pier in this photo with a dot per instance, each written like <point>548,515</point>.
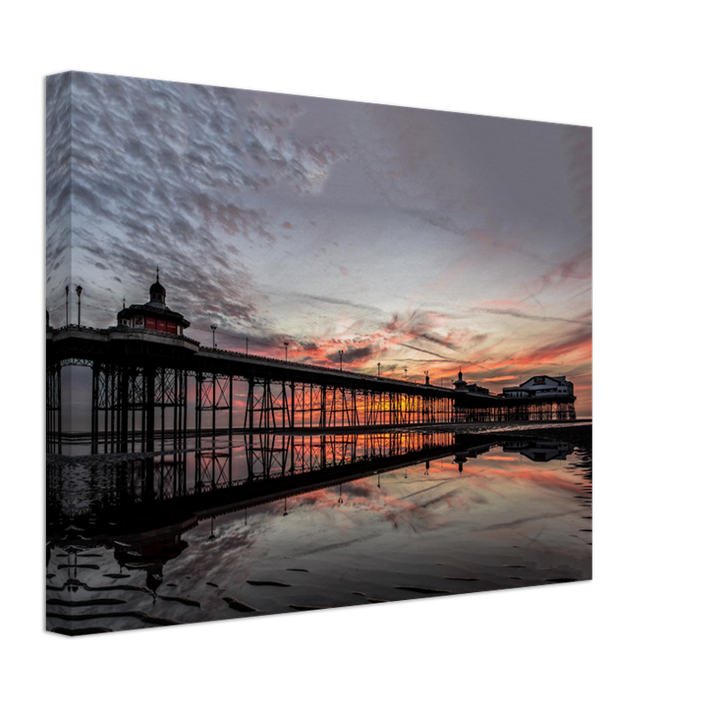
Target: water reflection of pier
<point>130,493</point>
<point>141,505</point>
<point>126,490</point>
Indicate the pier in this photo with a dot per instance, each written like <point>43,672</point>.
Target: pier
<point>152,387</point>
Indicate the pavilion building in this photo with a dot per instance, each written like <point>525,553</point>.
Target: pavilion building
<point>154,314</point>
<point>541,386</point>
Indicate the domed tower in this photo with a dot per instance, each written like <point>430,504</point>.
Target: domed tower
<point>460,384</point>
<point>157,291</point>
<point>154,314</point>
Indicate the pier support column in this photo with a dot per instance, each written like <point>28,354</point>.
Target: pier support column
<point>53,408</point>
<point>149,375</point>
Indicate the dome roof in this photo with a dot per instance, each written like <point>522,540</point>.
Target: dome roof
<point>157,291</point>
<point>460,383</point>
<point>156,287</point>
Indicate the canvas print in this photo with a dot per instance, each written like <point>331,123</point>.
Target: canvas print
<point>307,353</point>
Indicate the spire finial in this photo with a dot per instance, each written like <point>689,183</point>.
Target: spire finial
<point>123,303</point>
<point>157,273</point>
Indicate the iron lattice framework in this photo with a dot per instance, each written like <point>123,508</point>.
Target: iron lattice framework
<point>137,408</point>
<point>274,405</point>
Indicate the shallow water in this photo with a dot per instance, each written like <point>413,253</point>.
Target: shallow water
<point>270,525</point>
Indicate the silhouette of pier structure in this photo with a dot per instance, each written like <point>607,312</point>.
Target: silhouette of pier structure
<point>148,377</point>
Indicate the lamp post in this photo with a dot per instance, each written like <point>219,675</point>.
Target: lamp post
<point>378,369</point>
<point>78,289</point>
<point>341,352</point>
<point>286,345</point>
<point>213,327</point>
<point>67,305</point>
<point>406,374</point>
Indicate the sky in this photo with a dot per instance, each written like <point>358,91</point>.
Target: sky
<point>420,240</point>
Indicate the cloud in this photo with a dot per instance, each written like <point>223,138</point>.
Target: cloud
<point>527,315</point>
<point>335,300</point>
<point>574,348</point>
<point>577,267</point>
<point>354,355</point>
<point>432,353</point>
<point>166,173</point>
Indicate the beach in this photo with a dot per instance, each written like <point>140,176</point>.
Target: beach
<point>414,514</point>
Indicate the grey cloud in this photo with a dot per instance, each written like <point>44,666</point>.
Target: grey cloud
<point>354,354</point>
<point>432,353</point>
<point>432,338</point>
<point>168,168</point>
<point>57,188</point>
<point>524,315</point>
<point>191,139</point>
<point>343,302</point>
